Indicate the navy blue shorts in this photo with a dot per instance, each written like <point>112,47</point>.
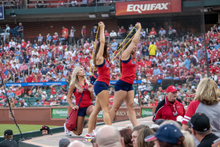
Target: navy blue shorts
<point>82,111</point>
<point>121,85</point>
<point>99,86</point>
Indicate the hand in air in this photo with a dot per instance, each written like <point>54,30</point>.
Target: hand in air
<point>138,25</point>
<point>101,24</point>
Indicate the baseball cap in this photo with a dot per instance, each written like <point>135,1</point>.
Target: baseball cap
<point>200,122</point>
<point>64,142</point>
<point>168,133</point>
<point>171,89</point>
<point>8,132</point>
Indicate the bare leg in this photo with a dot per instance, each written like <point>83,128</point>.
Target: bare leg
<point>103,98</point>
<point>89,112</point>
<point>130,105</point>
<point>93,116</point>
<point>79,128</point>
<point>117,101</point>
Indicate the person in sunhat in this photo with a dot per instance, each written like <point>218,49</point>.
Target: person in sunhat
<point>167,136</point>
<point>171,107</point>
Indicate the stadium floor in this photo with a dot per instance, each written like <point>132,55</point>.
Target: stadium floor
<point>53,140</point>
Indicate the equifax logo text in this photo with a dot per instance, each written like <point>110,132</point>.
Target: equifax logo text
<point>146,7</point>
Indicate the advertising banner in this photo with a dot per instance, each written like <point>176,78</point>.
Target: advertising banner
<point>2,14</point>
<point>146,112</point>
<point>36,84</point>
<point>59,113</point>
<point>147,7</point>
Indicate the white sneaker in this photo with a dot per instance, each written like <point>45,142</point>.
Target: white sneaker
<point>67,132</point>
<point>93,133</point>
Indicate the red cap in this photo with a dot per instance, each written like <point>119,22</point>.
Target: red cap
<point>171,89</point>
<point>145,92</point>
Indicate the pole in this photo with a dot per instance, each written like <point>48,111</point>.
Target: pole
<point>203,32</point>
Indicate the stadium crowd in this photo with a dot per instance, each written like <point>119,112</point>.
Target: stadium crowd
<point>160,55</point>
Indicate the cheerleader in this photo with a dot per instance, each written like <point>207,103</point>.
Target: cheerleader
<point>100,60</point>
<point>78,84</point>
<point>123,87</point>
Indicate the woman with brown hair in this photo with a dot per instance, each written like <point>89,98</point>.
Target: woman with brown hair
<point>123,87</point>
<point>143,133</point>
<point>100,60</point>
<point>206,101</point>
<point>126,134</point>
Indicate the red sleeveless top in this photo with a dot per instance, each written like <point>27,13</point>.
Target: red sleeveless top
<point>86,100</point>
<point>104,72</point>
<point>128,70</point>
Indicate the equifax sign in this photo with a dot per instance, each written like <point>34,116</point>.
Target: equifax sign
<point>147,7</point>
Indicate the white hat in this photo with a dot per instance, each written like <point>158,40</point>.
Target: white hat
<point>179,118</point>
<point>51,96</point>
<point>64,97</point>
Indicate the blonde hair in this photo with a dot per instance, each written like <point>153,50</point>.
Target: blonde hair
<point>189,140</point>
<point>75,80</point>
<point>207,92</point>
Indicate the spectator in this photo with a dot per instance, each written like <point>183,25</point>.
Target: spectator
<point>162,32</point>
<point>114,45</point>
<point>83,34</point>
<point>152,49</point>
<point>126,135</point>
<point>24,68</point>
<point>76,143</point>
<point>64,142</point>
<point>21,30</point>
<point>167,135</point>
<point>7,34</point>
<point>112,138</point>
<point>48,38</point>
<point>187,63</point>
<point>72,39</point>
<point>152,33</point>
<point>8,142</point>
<point>156,71</point>
<point>46,103</point>
<point>135,133</point>
<point>143,133</point>
<point>170,107</point>
<point>40,39</point>
<point>10,94</point>
<point>202,131</point>
<point>37,103</point>
<point>206,101</point>
<point>189,140</point>
<point>113,35</point>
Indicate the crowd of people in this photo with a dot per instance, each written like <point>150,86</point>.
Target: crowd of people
<point>54,60</point>
<point>192,120</point>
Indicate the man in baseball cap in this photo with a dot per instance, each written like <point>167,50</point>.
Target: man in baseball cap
<point>167,134</point>
<point>201,130</point>
<point>8,142</point>
<point>170,107</point>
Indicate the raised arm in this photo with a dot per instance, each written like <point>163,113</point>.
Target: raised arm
<point>134,43</point>
<point>99,56</point>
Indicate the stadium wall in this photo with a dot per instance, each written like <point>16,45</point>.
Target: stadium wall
<point>43,115</point>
